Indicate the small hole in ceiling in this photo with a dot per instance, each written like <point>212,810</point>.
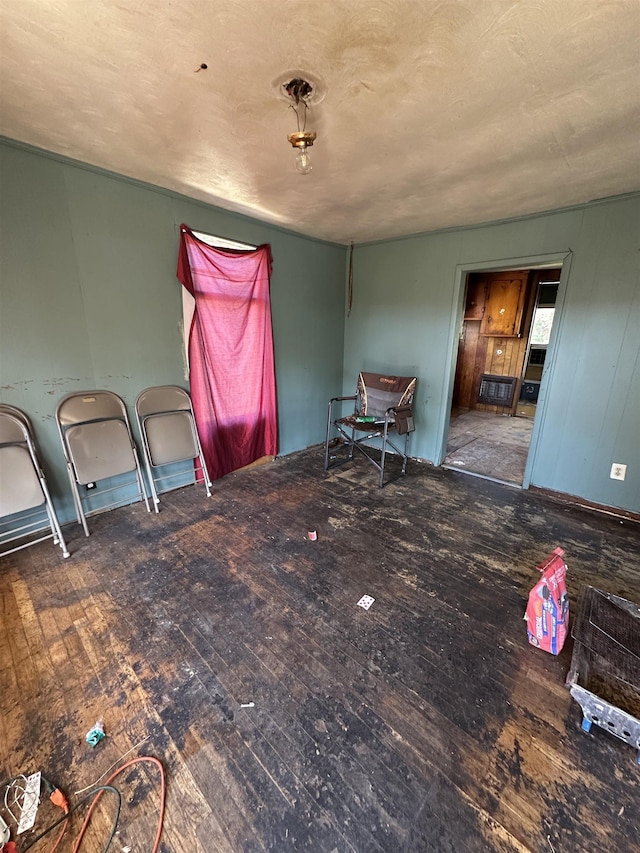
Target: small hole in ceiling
<point>317,85</point>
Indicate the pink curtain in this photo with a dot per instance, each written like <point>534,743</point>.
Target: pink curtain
<point>231,362</point>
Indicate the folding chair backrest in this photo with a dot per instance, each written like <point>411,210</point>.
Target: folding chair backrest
<point>163,398</point>
<point>166,419</point>
<point>96,435</point>
<point>20,487</point>
<point>378,393</point>
<point>12,429</point>
<point>19,415</point>
<point>90,406</point>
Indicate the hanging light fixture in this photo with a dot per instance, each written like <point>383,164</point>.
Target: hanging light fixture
<point>299,91</point>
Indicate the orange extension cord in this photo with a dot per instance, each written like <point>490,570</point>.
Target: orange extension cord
<point>163,792</point>
<point>59,799</point>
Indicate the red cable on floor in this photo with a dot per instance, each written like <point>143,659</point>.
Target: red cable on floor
<point>163,791</point>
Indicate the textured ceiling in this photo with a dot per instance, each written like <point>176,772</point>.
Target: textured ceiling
<point>435,114</point>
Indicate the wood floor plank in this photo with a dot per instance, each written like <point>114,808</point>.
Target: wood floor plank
<point>288,718</point>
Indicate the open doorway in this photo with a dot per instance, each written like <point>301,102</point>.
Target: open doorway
<point>504,335</point>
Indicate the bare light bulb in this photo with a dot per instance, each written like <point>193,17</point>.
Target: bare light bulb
<point>303,162</point>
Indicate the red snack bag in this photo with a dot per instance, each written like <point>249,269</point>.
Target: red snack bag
<point>547,612</point>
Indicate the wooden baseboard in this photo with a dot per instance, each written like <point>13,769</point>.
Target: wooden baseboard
<point>576,501</point>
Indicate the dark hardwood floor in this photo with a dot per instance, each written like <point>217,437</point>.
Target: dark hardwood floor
<point>287,717</point>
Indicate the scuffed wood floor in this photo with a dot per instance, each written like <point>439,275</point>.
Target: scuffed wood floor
<point>493,445</point>
<point>424,724</point>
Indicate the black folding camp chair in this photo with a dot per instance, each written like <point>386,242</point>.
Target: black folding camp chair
<point>383,406</point>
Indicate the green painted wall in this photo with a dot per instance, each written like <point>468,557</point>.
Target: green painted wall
<point>89,297</point>
<point>406,314</point>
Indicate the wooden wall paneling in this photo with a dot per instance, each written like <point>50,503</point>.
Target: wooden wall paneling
<point>504,357</point>
<point>478,370</point>
<point>476,297</point>
<point>479,353</point>
<point>464,382</point>
<point>457,399</point>
<point>509,347</point>
<point>466,378</point>
<point>489,294</point>
<point>512,348</point>
<point>471,381</point>
<point>517,349</point>
<point>496,355</point>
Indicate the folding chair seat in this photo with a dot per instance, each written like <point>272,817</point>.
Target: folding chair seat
<point>26,507</point>
<point>383,405</point>
<point>98,445</point>
<point>169,435</point>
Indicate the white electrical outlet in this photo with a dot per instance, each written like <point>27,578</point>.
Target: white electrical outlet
<point>618,471</point>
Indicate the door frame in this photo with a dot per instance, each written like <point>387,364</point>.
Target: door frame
<point>550,260</point>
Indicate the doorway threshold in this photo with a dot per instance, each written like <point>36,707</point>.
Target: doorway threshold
<point>481,476</point>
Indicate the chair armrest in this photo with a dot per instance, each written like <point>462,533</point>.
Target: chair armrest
<point>405,408</point>
<point>330,416</point>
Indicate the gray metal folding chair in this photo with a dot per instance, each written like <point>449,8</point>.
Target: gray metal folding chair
<point>26,507</point>
<point>383,406</point>
<point>169,435</point>
<point>98,445</point>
